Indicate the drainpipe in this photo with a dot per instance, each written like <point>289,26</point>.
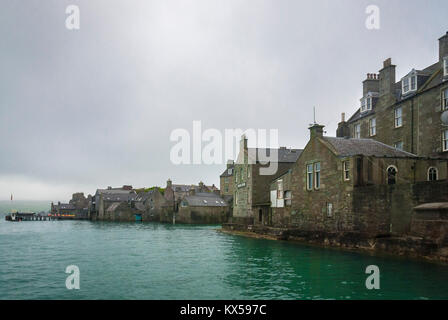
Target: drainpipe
<point>174,208</point>
<point>412,129</point>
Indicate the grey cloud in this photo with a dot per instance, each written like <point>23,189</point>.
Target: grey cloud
<point>95,107</point>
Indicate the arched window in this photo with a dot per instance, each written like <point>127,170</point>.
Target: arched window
<point>432,174</point>
<point>392,175</point>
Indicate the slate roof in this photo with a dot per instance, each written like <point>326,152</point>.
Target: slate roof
<point>119,197</point>
<point>113,191</point>
<point>187,187</point>
<point>226,172</point>
<point>142,196</point>
<point>182,187</point>
<point>205,199</point>
<point>358,115</point>
<point>113,207</point>
<point>427,78</point>
<point>346,147</point>
<point>284,154</point>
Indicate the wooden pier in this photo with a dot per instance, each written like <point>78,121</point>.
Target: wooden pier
<point>31,216</point>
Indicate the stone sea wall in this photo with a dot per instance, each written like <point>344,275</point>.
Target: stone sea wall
<point>407,246</point>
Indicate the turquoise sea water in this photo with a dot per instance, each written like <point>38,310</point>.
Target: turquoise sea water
<point>161,261</point>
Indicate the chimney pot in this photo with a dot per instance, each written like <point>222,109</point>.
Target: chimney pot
<point>343,117</point>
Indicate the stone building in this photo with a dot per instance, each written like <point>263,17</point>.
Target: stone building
<point>120,194</point>
<point>122,211</point>
<point>355,185</point>
<point>407,113</point>
<point>202,208</point>
<point>175,192</point>
<point>77,208</point>
<point>156,206</point>
<point>105,204</point>
<point>252,178</point>
<point>226,180</point>
<point>182,204</point>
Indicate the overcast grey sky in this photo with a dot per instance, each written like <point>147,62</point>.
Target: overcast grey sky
<point>95,107</point>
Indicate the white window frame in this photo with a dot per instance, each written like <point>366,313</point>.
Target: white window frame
<point>363,105</point>
<point>398,119</point>
<point>357,130</point>
<point>317,175</point>
<point>397,144</point>
<point>346,170</point>
<point>436,171</point>
<point>369,103</point>
<point>405,85</point>
<point>273,198</point>
<point>444,99</point>
<point>413,83</point>
<point>366,103</point>
<point>309,177</point>
<point>409,83</point>
<point>288,197</point>
<point>280,189</point>
<point>445,140</point>
<point>372,128</point>
<point>329,209</point>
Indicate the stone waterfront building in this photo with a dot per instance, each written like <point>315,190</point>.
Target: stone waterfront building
<point>203,208</point>
<point>155,205</point>
<point>199,204</point>
<point>341,185</point>
<point>175,192</point>
<point>252,179</point>
<point>407,113</point>
<point>115,204</point>
<point>77,208</point>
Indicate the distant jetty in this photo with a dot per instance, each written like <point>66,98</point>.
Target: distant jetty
<point>32,216</point>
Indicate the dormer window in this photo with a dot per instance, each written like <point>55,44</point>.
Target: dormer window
<point>409,83</point>
<point>363,105</point>
<point>367,102</point>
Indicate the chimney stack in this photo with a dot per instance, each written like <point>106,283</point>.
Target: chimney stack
<point>243,143</point>
<point>343,130</point>
<point>316,130</point>
<point>443,47</point>
<point>387,78</point>
<point>371,84</point>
